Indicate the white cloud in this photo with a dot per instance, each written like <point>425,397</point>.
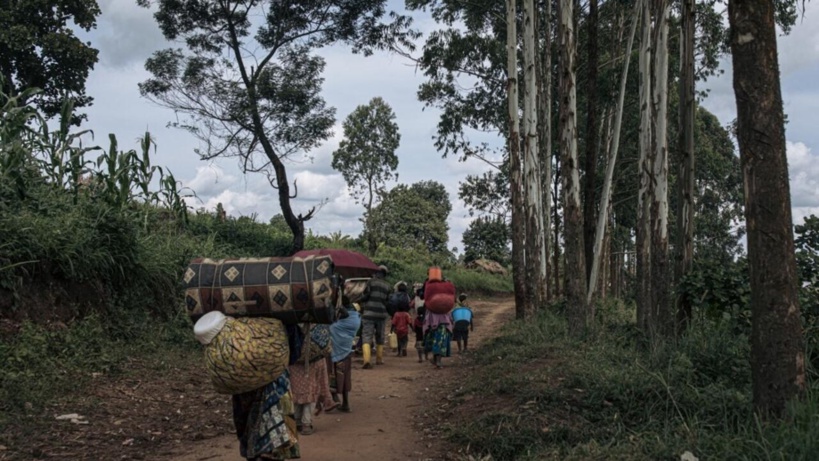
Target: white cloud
<point>209,181</point>
<point>804,175</point>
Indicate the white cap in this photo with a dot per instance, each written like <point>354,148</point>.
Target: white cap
<point>207,327</point>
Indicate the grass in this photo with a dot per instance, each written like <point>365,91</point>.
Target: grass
<point>543,395</point>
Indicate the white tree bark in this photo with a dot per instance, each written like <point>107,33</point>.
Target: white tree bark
<point>531,164</point>
<point>580,314</point>
<point>660,282</point>
<point>516,180</point>
<point>605,198</point>
<point>644,171</point>
<point>545,143</point>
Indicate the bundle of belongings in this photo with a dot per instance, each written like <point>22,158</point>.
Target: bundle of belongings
<point>250,315</point>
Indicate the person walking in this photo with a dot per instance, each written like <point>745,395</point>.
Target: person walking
<point>437,336</point>
<point>462,316</point>
<point>401,322</point>
<point>340,363</point>
<point>374,316</point>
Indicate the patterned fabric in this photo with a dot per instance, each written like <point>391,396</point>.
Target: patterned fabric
<point>292,290</point>
<point>310,384</point>
<point>264,422</point>
<point>375,299</point>
<point>438,341</point>
<point>319,345</point>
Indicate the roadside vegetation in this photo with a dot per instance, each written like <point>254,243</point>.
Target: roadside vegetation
<point>535,393</point>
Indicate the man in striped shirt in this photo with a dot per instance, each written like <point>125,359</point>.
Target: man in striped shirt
<point>374,316</point>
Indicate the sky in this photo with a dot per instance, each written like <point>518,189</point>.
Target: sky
<point>126,35</point>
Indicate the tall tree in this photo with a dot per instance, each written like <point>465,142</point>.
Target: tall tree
<point>408,215</point>
<point>515,167</point>
<point>488,238</point>
<point>535,277</point>
<point>38,48</point>
<point>580,314</point>
<point>366,156</point>
<point>777,352</point>
<point>248,84</point>
<point>545,134</point>
<point>685,187</point>
<point>661,314</point>
<point>590,173</point>
<point>605,197</point>
<point>644,170</point>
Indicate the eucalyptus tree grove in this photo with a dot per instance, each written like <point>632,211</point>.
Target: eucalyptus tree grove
<point>249,86</point>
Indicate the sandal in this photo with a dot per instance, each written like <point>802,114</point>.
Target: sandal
<point>308,429</point>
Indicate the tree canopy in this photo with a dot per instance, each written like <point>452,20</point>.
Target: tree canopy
<point>412,215</point>
<point>38,48</point>
<point>366,156</point>
<point>488,238</point>
<point>248,85</point>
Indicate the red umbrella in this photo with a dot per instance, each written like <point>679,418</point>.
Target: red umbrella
<point>348,263</point>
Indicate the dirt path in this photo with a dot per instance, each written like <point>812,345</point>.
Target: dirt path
<point>388,406</point>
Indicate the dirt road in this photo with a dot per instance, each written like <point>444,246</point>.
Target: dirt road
<point>388,406</point>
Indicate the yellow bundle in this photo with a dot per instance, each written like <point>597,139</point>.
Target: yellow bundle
<point>247,354</point>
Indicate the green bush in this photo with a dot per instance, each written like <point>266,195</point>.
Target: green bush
<point>611,398</point>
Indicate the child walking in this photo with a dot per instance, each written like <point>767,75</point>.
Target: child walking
<point>418,325</point>
<point>401,322</point>
<point>463,318</point>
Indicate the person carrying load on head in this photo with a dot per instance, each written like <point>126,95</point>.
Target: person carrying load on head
<point>374,316</point>
<point>462,316</point>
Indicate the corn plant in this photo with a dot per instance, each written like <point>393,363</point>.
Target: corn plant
<point>15,139</point>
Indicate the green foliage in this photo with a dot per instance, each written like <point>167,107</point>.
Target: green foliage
<point>807,260</point>
<point>487,238</point>
<point>38,49</point>
<point>412,216</point>
<point>720,291</point>
<point>366,156</point>
<point>41,363</point>
<point>607,398</point>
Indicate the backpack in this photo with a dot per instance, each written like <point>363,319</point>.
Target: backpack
<point>398,302</point>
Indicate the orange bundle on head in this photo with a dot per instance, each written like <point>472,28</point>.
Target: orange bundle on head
<point>439,297</point>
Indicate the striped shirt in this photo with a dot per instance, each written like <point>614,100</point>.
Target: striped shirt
<point>376,294</point>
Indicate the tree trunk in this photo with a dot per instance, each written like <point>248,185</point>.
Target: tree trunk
<point>777,349</point>
<point>589,203</point>
<point>545,135</point>
<point>605,198</point>
<point>685,195</point>
<point>644,170</point>
<point>534,196</point>
<point>660,281</point>
<point>295,223</point>
<point>516,180</point>
<point>556,244</point>
<point>579,312</point>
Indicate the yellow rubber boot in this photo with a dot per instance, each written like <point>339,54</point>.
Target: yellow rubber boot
<point>379,354</point>
<point>365,349</point>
